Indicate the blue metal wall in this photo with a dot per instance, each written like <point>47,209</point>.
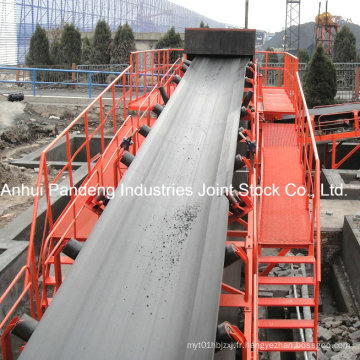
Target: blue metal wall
<point>141,15</point>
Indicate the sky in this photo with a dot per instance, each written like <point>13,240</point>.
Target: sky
<point>269,15</point>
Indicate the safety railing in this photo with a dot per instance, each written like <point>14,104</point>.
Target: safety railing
<point>255,215</point>
<point>149,67</point>
<point>45,78</point>
<point>107,122</point>
<point>311,178</point>
<point>81,215</point>
<point>280,73</point>
<point>344,122</point>
<point>39,78</point>
<point>154,97</point>
<point>291,65</point>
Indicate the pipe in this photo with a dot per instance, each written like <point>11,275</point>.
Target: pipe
<point>246,14</point>
<point>298,314</point>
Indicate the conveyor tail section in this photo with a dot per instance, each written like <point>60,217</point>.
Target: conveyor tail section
<point>146,284</point>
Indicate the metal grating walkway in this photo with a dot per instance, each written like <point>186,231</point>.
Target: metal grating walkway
<point>284,219</point>
<point>276,101</point>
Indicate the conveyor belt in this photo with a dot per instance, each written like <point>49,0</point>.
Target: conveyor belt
<point>341,108</point>
<point>147,281</point>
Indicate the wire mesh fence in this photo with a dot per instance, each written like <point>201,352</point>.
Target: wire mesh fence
<point>102,76</point>
<point>347,75</point>
<point>347,78</point>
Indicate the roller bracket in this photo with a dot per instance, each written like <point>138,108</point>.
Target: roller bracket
<point>227,333</point>
<point>250,144</point>
<point>126,143</point>
<point>240,204</point>
<point>231,255</point>
<point>249,83</point>
<point>240,162</point>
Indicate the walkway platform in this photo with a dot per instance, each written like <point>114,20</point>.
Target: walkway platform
<point>276,103</point>
<point>285,219</point>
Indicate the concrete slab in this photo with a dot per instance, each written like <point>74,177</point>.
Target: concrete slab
<point>340,284</point>
<point>338,208</point>
<point>346,180</point>
<point>332,214</point>
<point>351,252</point>
<point>12,258</point>
<point>57,156</point>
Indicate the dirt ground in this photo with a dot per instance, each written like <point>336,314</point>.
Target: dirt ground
<point>23,129</point>
<point>20,134</point>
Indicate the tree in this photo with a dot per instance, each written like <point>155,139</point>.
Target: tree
<point>85,50</point>
<point>272,58</point>
<point>171,39</point>
<point>54,36</point>
<point>123,45</point>
<point>203,26</point>
<point>320,80</point>
<point>70,44</point>
<point>56,53</point>
<point>38,53</point>
<point>344,46</point>
<point>303,56</point>
<point>100,52</point>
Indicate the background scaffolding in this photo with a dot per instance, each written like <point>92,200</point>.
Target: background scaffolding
<point>292,27</point>
<point>141,15</point>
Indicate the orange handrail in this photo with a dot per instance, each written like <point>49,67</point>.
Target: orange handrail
<point>311,164</point>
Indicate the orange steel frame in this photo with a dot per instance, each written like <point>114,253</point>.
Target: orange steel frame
<point>104,169</point>
<point>352,132</point>
<point>247,240</point>
<point>325,34</point>
<point>286,74</point>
